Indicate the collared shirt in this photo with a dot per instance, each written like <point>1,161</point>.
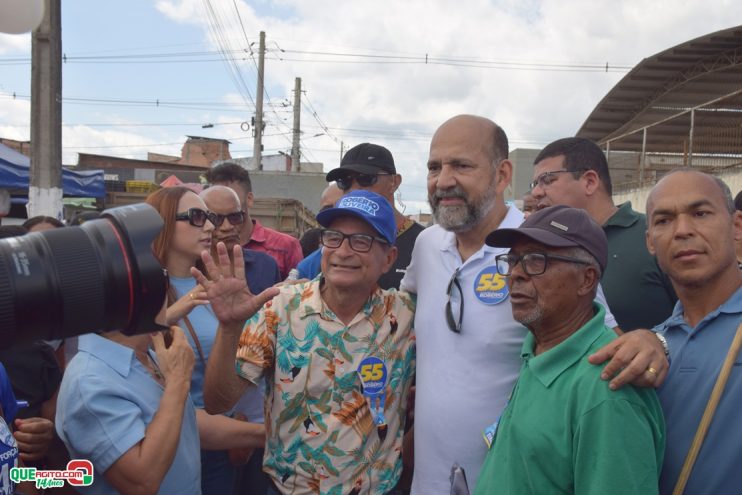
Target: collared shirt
<point>261,270</point>
<point>565,431</point>
<point>321,436</point>
<point>639,294</point>
<point>311,266</point>
<point>283,248</point>
<point>696,357</point>
<point>106,401</point>
<point>463,379</point>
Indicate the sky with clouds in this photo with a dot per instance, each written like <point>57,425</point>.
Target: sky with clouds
<point>140,75</point>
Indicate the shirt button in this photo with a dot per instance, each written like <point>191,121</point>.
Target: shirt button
<point>342,369</point>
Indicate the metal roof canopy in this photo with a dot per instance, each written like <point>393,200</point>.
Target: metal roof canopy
<point>700,80</point>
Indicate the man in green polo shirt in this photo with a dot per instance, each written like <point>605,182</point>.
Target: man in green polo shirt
<point>574,172</point>
<point>564,430</point>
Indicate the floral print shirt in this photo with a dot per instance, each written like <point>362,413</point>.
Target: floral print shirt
<point>321,433</point>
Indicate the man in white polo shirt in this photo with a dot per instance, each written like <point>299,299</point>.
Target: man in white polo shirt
<point>468,345</point>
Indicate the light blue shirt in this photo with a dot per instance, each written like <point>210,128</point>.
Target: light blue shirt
<point>204,325</point>
<point>106,400</point>
<point>310,266</point>
<point>696,357</point>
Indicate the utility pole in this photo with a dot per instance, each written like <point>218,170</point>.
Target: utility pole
<point>295,153</point>
<point>258,128</point>
<point>45,188</point>
<point>341,150</point>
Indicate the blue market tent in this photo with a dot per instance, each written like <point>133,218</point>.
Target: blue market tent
<point>14,174</point>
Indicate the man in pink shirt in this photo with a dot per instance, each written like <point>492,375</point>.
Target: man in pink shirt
<point>284,248</point>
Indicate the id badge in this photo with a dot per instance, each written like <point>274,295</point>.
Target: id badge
<point>373,374</point>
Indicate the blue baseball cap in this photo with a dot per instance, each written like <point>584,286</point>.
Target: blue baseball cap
<point>370,207</point>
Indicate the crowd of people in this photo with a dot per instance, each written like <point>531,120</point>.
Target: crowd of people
<point>571,347</point>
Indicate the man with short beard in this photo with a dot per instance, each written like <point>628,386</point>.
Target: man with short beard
<point>468,344</point>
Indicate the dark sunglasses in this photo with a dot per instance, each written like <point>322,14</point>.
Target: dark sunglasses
<point>345,181</point>
<point>197,217</point>
<point>234,218</point>
<point>454,324</point>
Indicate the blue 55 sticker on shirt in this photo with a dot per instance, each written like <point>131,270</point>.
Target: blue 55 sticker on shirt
<point>490,287</point>
<point>373,374</point>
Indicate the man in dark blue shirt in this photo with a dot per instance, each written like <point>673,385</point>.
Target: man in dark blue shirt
<point>261,272</point>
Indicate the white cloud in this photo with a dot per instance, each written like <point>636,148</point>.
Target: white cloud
<point>409,100</point>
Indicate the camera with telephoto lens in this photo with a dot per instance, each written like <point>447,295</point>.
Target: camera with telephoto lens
<point>100,276</point>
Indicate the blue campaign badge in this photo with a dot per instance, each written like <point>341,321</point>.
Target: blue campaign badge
<point>372,371</point>
<point>490,432</point>
<point>373,374</point>
<point>490,287</point>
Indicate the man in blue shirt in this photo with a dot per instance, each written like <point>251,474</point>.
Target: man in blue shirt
<point>691,229</point>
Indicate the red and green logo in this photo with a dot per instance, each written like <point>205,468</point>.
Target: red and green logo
<point>79,472</point>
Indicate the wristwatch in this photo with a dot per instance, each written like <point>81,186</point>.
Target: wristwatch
<point>663,341</point>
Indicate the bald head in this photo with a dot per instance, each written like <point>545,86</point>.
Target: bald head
<point>705,181</point>
<point>219,193</point>
<point>330,196</point>
<point>487,134</point>
<point>225,202</point>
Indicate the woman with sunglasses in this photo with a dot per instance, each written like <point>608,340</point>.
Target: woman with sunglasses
<point>186,234</point>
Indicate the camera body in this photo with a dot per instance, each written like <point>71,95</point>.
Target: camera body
<point>100,276</point>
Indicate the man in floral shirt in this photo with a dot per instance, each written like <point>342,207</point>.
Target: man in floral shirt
<point>338,355</point>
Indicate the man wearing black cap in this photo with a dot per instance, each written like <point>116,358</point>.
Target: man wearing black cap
<point>371,167</point>
<point>596,440</point>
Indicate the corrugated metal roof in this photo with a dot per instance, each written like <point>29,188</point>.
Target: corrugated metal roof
<point>668,83</point>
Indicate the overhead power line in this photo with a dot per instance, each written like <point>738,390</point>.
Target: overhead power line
<point>234,55</point>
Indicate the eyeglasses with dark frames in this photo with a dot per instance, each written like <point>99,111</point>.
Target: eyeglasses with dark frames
<point>547,178</point>
<point>234,218</point>
<point>196,217</point>
<point>345,182</point>
<point>532,263</point>
<point>454,324</point>
<point>360,243</point>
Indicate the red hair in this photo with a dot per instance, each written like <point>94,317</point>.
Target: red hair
<point>165,201</point>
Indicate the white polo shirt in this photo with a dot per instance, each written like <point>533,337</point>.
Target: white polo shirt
<point>463,380</point>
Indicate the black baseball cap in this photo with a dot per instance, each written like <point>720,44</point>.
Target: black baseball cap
<point>558,226</point>
<point>365,158</point>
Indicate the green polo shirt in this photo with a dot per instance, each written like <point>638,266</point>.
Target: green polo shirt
<point>565,431</point>
<point>639,294</point>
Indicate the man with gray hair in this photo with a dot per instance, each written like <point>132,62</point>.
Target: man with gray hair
<point>595,440</point>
